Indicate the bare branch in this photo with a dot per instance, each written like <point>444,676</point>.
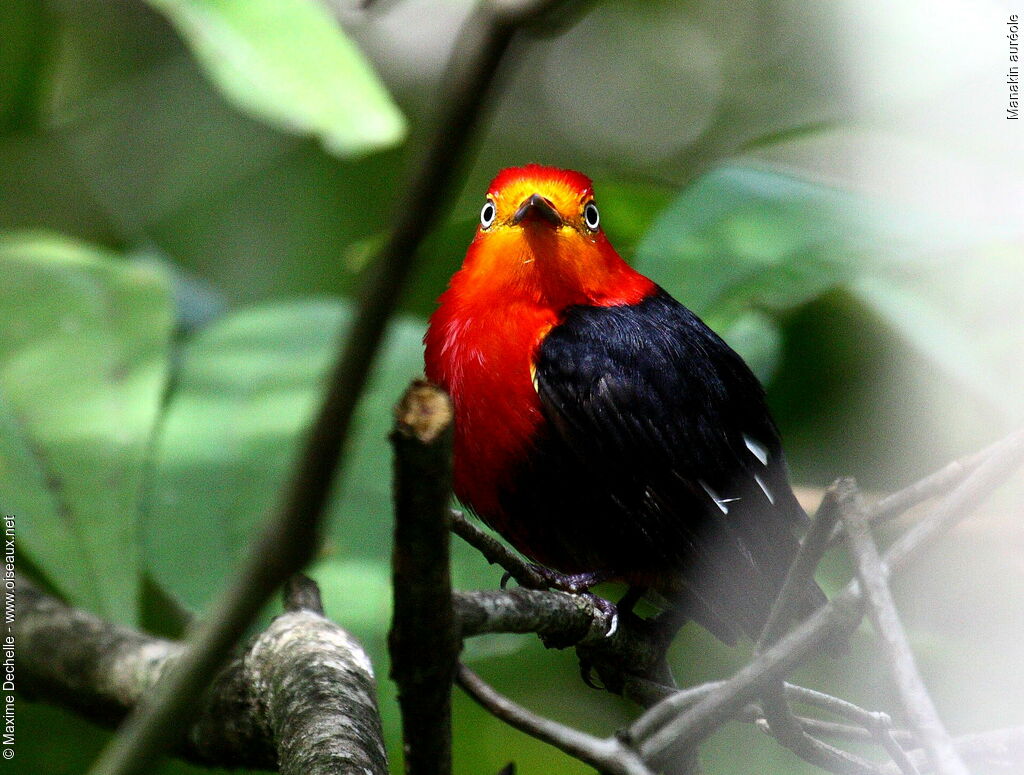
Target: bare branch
<point>1000,459</point>
<point>608,755</point>
<point>291,533</point>
<point>424,640</point>
<point>1002,748</point>
<point>937,483</point>
<point>300,698</point>
<point>917,703</point>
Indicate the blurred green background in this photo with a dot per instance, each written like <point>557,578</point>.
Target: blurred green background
<point>191,190</point>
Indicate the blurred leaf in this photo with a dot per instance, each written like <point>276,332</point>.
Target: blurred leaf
<point>756,336</point>
<point>743,246</point>
<point>244,394</point>
<point>196,302</point>
<point>289,63</point>
<point>926,329</point>
<point>357,592</point>
<point>791,133</point>
<point>628,210</point>
<point>77,744</point>
<point>247,391</point>
<point>83,348</point>
<point>742,238</point>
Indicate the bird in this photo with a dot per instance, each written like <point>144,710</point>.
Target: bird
<point>603,429</point>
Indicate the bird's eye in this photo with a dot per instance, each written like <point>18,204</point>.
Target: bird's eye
<point>591,217</point>
<point>487,214</point>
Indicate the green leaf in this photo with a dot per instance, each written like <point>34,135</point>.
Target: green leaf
<point>289,63</point>
<point>246,394</point>
<point>756,337</point>
<point>742,238</point>
<point>83,348</point>
<point>745,241</point>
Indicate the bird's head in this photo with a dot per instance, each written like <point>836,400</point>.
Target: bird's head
<point>539,203</point>
<point>540,234</point>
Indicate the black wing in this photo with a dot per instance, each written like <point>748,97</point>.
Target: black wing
<point>659,435</point>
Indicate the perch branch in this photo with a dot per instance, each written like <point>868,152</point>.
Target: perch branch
<point>290,535</point>
<point>424,640</point>
<point>608,755</point>
<point>914,697</point>
<point>301,696</point>
<point>937,483</point>
<point>560,618</point>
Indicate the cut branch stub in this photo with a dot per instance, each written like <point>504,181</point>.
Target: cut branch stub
<point>424,639</point>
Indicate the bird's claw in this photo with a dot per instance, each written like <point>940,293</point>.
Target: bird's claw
<point>573,583</point>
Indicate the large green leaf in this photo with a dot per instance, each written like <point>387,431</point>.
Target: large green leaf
<point>743,237</point>
<point>743,246</point>
<point>246,393</point>
<point>83,366</point>
<point>289,63</point>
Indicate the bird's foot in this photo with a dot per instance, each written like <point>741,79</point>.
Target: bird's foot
<point>578,584</point>
<point>573,583</point>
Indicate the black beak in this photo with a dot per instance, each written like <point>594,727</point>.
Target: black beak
<point>539,206</point>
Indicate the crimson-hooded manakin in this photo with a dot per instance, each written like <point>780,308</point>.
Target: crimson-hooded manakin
<point>600,426</point>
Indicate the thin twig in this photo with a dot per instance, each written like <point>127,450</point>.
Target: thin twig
<point>886,738</point>
<point>609,755</point>
<point>867,725</point>
<point>685,730</point>
<point>801,571</point>
<point>789,732</point>
<point>496,552</point>
<point>937,483</point>
<point>917,703</point>
<point>290,536</point>
<point>424,640</point>
<point>1000,460</point>
<point>873,725</point>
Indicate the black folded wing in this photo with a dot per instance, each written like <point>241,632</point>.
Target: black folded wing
<point>660,459</point>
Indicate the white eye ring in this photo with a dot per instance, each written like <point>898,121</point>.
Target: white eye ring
<point>591,217</point>
<point>487,214</point>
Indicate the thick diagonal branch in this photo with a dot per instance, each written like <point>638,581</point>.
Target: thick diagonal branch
<point>291,534</point>
<point>916,701</point>
<point>300,698</point>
